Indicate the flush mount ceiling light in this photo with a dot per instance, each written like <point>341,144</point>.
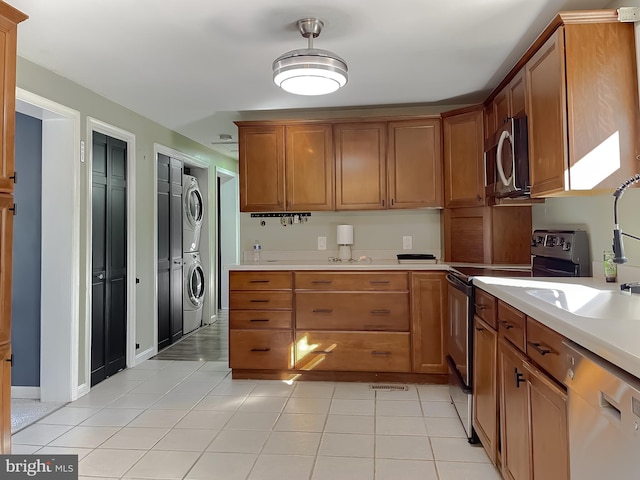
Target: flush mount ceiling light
<point>310,71</point>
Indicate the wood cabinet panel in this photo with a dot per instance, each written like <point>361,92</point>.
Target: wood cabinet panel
<point>502,107</point>
<point>463,160</point>
<point>261,349</point>
<point>247,300</point>
<point>351,281</point>
<point>517,95</point>
<point>263,319</point>
<point>6,249</point>
<point>512,325</point>
<point>261,167</point>
<point>545,349</point>
<point>5,399</point>
<point>485,386</point>
<point>352,311</point>
<point>361,171</point>
<point>309,167</point>
<point>241,280</point>
<point>429,322</point>
<point>353,351</point>
<point>514,413</point>
<point>486,307</point>
<point>414,163</point>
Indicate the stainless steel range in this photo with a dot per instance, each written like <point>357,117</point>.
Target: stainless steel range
<point>556,253</point>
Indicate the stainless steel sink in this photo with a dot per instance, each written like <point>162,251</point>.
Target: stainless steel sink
<point>590,302</point>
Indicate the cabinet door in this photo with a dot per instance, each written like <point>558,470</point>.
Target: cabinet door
<point>429,322</point>
<point>517,95</point>
<point>414,164</point>
<point>261,165</point>
<point>467,235</point>
<point>463,160</point>
<point>5,399</point>
<point>485,386</point>
<point>502,107</point>
<point>361,178</point>
<point>6,248</point>
<point>547,117</point>
<point>549,429</point>
<point>309,167</point>
<point>514,414</point>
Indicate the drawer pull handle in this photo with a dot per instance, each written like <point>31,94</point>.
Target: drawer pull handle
<point>322,282</point>
<point>538,347</point>
<point>380,352</point>
<point>379,282</point>
<point>259,281</point>
<point>260,349</point>
<point>321,352</point>
<point>380,312</point>
<point>323,310</point>
<point>259,320</point>
<point>481,307</point>
<point>259,301</point>
<point>480,329</point>
<point>506,325</point>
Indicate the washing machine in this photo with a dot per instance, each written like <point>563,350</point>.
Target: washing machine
<point>192,214</point>
<point>194,290</point>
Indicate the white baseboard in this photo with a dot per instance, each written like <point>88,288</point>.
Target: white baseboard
<point>146,355</point>
<point>25,392</point>
<point>82,390</point>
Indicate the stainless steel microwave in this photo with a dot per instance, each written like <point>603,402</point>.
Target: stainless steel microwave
<point>507,160</point>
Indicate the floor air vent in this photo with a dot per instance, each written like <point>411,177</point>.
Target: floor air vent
<point>389,388</point>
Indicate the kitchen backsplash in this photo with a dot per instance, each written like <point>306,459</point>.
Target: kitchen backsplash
<point>378,234</point>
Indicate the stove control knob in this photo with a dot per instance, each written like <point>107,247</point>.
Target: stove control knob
<point>567,246</point>
<point>561,241</point>
<point>540,239</point>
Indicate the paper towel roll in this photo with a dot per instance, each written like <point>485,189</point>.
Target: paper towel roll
<point>345,234</point>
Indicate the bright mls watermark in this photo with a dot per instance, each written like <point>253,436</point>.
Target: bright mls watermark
<point>58,467</point>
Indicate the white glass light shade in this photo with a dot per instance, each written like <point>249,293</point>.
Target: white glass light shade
<point>309,72</point>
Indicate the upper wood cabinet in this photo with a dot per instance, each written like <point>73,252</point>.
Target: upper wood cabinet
<point>361,172</point>
<point>463,159</point>
<point>261,165</point>
<point>414,163</point>
<point>582,107</point>
<point>309,167</point>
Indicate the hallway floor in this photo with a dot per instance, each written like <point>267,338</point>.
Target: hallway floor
<point>170,419</point>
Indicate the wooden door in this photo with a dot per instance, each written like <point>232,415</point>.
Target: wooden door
<point>169,250</point>
<point>514,413</point>
<point>261,166</point>
<point>501,105</point>
<point>485,386</point>
<point>309,167</point>
<point>549,427</point>
<point>463,160</point>
<point>414,163</point>
<point>361,178</point>
<point>517,95</point>
<point>109,257</point>
<point>547,117</point>
<point>6,250</point>
<point>429,322</point>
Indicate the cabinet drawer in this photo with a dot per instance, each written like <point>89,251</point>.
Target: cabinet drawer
<point>511,324</point>
<point>260,349</point>
<point>486,307</point>
<point>352,281</point>
<point>355,352</point>
<point>545,348</point>
<point>260,300</point>
<point>260,280</point>
<point>259,319</point>
<point>352,311</point>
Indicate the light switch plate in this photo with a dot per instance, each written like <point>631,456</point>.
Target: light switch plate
<point>322,243</point>
<point>407,242</point>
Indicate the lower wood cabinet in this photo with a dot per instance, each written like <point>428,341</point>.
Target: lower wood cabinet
<point>5,399</point>
<point>261,349</point>
<point>429,322</point>
<point>485,386</point>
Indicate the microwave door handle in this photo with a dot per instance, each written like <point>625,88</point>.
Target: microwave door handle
<point>503,179</point>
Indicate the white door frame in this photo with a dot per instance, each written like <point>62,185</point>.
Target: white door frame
<point>60,266</point>
<point>232,200</point>
<point>190,161</point>
<point>95,125</point>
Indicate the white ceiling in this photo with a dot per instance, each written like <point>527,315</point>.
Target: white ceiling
<point>195,66</point>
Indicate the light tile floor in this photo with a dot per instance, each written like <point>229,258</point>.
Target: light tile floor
<point>167,419</point>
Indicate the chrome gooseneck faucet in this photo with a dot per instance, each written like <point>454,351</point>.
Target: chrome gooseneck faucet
<point>618,247</point>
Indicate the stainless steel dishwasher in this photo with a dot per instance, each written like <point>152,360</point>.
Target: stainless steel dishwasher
<point>604,418</point>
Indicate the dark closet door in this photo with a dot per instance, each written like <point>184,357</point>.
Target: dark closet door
<point>169,250</point>
<point>109,257</point>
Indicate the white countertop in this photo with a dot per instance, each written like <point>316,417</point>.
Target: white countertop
<point>327,265</point>
<point>595,314</point>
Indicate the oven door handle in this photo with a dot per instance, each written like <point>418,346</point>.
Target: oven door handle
<point>458,284</point>
<point>459,380</point>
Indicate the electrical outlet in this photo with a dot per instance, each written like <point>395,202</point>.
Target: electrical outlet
<point>322,243</point>
<point>407,242</point>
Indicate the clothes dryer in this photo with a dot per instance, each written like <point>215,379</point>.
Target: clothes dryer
<point>194,291</point>
<point>192,214</point>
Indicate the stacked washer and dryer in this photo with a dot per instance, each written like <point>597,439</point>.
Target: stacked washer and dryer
<point>193,273</point>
